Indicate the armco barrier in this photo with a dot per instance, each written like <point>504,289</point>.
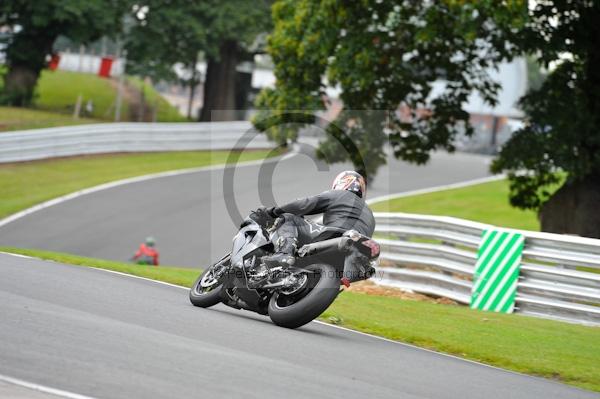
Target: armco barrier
<point>436,255</point>
<point>127,137</point>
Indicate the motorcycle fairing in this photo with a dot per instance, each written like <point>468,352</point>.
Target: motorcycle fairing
<point>250,237</point>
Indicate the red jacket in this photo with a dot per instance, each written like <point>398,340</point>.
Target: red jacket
<point>147,252</point>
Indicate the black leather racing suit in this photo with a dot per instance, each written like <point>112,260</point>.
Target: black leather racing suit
<point>342,210</point>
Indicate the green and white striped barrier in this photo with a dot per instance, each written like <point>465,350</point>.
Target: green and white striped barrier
<point>497,271</point>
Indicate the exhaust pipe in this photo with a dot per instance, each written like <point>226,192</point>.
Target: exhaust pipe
<point>339,243</point>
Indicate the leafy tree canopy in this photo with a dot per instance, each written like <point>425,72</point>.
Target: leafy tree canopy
<point>562,124</point>
<point>386,55</point>
<point>167,32</point>
<point>36,25</point>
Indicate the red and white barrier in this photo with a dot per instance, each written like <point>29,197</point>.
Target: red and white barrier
<point>102,66</point>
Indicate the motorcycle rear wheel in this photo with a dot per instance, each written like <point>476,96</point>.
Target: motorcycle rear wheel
<point>293,311</point>
<point>201,296</point>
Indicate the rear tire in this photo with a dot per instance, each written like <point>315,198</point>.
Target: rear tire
<point>202,298</point>
<point>322,293</point>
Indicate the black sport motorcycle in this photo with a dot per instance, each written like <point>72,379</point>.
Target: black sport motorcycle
<point>291,296</point>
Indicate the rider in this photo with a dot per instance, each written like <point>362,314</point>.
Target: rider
<point>147,254</point>
<point>343,208</point>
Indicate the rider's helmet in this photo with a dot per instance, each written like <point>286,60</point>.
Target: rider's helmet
<point>351,181</point>
<point>150,241</point>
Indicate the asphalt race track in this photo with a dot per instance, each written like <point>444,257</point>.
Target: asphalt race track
<point>105,335</point>
<point>188,213</point>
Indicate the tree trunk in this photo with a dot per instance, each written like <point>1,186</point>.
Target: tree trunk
<point>142,102</point>
<point>219,84</point>
<point>573,209</point>
<point>19,84</point>
<point>193,84</point>
<point>25,59</point>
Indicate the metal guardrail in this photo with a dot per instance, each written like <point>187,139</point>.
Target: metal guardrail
<point>127,137</point>
<point>436,255</point>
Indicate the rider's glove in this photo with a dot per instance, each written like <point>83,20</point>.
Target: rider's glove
<point>265,216</point>
<point>261,216</point>
<point>274,212</point>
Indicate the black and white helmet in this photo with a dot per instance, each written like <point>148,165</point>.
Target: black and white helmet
<point>351,181</point>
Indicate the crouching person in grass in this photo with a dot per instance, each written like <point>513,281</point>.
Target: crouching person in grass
<point>147,253</point>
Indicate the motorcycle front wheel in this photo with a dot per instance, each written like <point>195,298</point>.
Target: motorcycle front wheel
<point>305,305</point>
<point>206,291</point>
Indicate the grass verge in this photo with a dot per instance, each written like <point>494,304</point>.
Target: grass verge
<point>174,275</point>
<point>57,92</point>
<point>486,203</point>
<point>25,184</point>
<point>564,352</point>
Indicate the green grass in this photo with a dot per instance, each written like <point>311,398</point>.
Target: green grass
<point>13,118</point>
<point>486,203</point>
<point>565,352</point>
<point>56,95</point>
<point>165,111</point>
<point>174,275</point>
<point>25,184</point>
<point>57,91</point>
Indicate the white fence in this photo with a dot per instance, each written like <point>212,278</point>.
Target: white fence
<point>436,255</point>
<point>127,137</point>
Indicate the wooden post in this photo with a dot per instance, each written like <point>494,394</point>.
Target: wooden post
<point>121,55</point>
<point>77,109</point>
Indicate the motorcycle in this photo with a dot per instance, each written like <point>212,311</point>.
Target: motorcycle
<point>293,295</point>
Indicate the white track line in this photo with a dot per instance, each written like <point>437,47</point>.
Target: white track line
<point>95,268</point>
<point>140,278</point>
<point>137,179</point>
<point>371,201</point>
<point>19,255</point>
<point>315,321</point>
<point>349,330</point>
<point>43,388</point>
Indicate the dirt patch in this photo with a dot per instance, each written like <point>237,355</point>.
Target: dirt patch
<point>132,96</point>
<point>370,288</point>
<point>130,93</point>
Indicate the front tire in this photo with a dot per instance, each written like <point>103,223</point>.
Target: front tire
<point>206,296</point>
<point>300,308</point>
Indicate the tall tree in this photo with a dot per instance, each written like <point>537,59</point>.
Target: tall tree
<point>234,29</point>
<point>165,33</point>
<point>176,31</point>
<point>561,137</point>
<point>386,55</point>
<point>36,25</point>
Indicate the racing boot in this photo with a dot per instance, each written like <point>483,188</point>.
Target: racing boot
<point>284,256</point>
